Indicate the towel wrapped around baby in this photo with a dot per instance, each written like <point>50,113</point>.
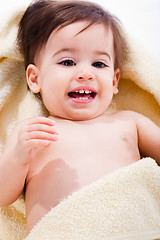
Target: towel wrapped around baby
<point>124,204</point>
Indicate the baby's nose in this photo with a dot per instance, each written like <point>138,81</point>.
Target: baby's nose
<point>84,75</point>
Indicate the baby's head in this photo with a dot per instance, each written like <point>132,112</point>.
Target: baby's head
<point>44,16</point>
<point>65,44</point>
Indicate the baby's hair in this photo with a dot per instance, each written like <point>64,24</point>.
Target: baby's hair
<point>44,16</point>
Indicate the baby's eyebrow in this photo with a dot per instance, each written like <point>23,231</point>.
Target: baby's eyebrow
<point>103,53</point>
<point>64,50</point>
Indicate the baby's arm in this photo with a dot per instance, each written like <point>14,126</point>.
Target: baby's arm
<point>19,151</point>
<point>148,137</point>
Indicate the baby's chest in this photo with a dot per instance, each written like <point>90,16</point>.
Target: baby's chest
<point>95,150</point>
<point>98,139</point>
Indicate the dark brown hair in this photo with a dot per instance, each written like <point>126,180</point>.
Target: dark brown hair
<point>44,16</point>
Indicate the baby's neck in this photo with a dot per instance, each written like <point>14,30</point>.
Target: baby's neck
<point>83,121</point>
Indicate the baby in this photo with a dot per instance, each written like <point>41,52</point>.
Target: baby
<point>73,54</point>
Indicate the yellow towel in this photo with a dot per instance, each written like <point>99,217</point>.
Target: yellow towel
<point>123,205</point>
<point>139,90</point>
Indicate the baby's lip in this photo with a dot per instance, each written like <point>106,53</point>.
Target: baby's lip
<point>83,93</point>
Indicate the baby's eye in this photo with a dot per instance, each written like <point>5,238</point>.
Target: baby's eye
<point>67,62</point>
<point>99,64</point>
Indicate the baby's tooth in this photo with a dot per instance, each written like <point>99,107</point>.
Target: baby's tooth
<point>81,91</point>
<point>87,91</point>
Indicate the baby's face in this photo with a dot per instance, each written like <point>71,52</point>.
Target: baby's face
<point>75,71</point>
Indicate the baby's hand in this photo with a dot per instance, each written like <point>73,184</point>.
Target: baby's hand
<point>29,135</point>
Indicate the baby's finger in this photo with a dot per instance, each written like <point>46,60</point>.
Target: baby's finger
<point>41,120</point>
<point>42,127</point>
<point>38,142</point>
<point>39,135</point>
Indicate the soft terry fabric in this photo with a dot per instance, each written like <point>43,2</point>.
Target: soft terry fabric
<point>139,90</point>
<point>122,205</point>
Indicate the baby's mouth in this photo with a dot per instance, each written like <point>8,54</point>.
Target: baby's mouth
<point>82,94</point>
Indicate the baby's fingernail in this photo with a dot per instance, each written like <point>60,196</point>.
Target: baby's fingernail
<point>46,143</point>
<point>55,137</point>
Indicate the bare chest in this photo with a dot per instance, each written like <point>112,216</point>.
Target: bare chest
<point>95,149</point>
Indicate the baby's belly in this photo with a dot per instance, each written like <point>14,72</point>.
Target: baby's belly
<point>59,178</point>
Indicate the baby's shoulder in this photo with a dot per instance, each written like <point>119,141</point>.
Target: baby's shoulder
<point>127,115</point>
<point>130,116</point>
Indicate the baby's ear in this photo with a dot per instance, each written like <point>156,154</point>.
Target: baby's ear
<point>116,81</point>
<point>32,75</point>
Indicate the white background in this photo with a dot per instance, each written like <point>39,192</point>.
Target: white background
<point>141,18</point>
